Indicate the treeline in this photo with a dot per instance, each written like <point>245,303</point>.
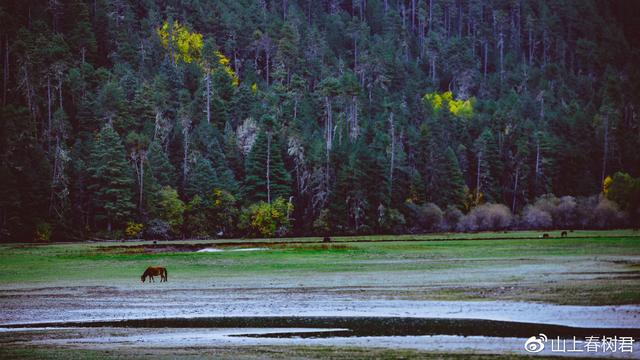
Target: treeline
<point>264,118</point>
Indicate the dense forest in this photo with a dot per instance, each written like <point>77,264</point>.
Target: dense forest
<point>188,118</point>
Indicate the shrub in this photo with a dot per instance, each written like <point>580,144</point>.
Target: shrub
<point>391,220</point>
<point>170,208</point>
<point>536,218</point>
<point>157,229</point>
<point>321,223</point>
<point>486,217</point>
<point>133,229</point>
<point>550,211</point>
<point>607,215</point>
<point>195,222</point>
<point>451,218</point>
<point>222,211</point>
<point>427,217</point>
<point>268,220</point>
<point>43,231</point>
<point>625,191</point>
<point>215,214</point>
<point>566,213</point>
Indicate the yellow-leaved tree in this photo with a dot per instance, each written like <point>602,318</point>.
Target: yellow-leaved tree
<point>182,44</point>
<point>458,108</point>
<point>606,185</point>
<point>185,45</point>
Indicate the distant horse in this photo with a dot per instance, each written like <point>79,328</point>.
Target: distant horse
<point>155,271</point>
<point>563,234</point>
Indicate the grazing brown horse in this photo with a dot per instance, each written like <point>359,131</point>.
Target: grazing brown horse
<point>154,271</point>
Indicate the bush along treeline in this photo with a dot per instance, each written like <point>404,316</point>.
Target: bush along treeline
<point>168,119</point>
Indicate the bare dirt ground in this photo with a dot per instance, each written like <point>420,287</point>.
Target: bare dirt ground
<point>89,303</point>
<point>195,299</point>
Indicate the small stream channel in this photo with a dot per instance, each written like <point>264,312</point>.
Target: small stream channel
<point>352,326</point>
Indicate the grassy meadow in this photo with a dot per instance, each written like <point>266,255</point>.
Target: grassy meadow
<point>584,268</point>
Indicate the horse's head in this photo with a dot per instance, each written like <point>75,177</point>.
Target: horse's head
<point>142,277</point>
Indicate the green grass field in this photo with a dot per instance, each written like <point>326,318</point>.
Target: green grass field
<point>585,268</point>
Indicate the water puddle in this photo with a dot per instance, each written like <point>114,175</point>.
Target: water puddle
<point>212,250</point>
<point>356,326</point>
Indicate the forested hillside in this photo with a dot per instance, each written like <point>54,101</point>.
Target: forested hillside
<point>260,118</point>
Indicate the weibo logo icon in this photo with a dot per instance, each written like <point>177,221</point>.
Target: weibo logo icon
<point>535,344</point>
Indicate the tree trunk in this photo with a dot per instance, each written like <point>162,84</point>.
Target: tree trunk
<point>537,172</point>
<point>60,87</point>
<point>486,55</point>
<point>285,6</point>
<point>48,132</point>
<point>268,167</point>
<point>5,78</point>
<point>478,174</point>
<point>353,119</point>
<point>392,129</point>
<point>267,64</point>
<point>185,152</point>
<point>433,68</point>
<point>143,155</point>
<point>531,45</point>
<point>355,52</point>
<point>413,15</point>
<point>501,46</point>
<point>208,82</point>
<point>460,13</point>
<point>430,14</point>
<point>605,149</point>
<point>515,189</point>
<point>328,136</point>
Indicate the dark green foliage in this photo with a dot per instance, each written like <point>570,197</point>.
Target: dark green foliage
<point>625,191</point>
<point>450,189</point>
<point>331,95</point>
<point>24,173</point>
<point>202,179</point>
<point>157,162</point>
<point>267,178</point>
<point>111,180</point>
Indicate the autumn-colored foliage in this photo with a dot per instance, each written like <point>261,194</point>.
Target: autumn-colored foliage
<point>459,108</point>
<point>185,45</point>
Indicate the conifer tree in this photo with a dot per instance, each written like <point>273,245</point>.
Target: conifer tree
<point>112,180</point>
<point>450,189</point>
<point>202,179</point>
<point>160,167</point>
<point>266,179</point>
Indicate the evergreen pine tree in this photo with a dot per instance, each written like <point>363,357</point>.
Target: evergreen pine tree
<point>232,152</point>
<point>112,180</point>
<point>260,184</point>
<point>488,166</point>
<point>450,189</point>
<point>160,167</point>
<point>202,179</point>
